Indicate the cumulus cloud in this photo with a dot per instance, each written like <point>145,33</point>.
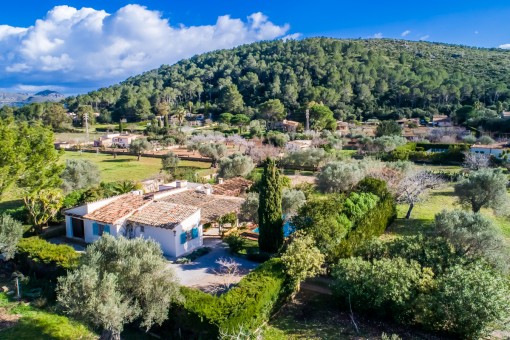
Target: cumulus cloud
<point>76,47</point>
<point>405,33</point>
<point>505,46</point>
<point>378,35</point>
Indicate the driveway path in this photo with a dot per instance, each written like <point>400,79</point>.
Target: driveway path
<point>203,272</point>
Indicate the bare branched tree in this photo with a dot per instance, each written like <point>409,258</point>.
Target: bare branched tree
<point>476,161</point>
<point>229,270</point>
<point>414,187</point>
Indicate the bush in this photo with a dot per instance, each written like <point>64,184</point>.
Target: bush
<point>235,242</point>
<point>468,301</point>
<point>383,286</point>
<point>45,259</point>
<point>247,305</point>
<point>235,165</point>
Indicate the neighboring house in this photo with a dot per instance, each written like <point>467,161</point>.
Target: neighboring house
<point>441,121</point>
<point>286,125</point>
<point>119,139</point>
<point>299,144</point>
<point>505,114</point>
<point>172,216</point>
<point>496,150</point>
<point>236,186</point>
<point>342,127</point>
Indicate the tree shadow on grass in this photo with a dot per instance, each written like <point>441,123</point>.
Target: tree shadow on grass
<point>410,227</point>
<point>118,160</point>
<point>443,193</point>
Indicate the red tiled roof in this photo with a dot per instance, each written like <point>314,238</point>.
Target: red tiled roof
<point>123,206</point>
<point>211,207</point>
<point>163,214</point>
<point>232,187</point>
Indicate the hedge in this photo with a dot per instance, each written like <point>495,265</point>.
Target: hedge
<point>44,259</point>
<point>371,225</point>
<point>418,152</point>
<point>248,305</point>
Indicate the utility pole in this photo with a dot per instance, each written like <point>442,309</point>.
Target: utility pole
<point>87,125</point>
<point>307,128</point>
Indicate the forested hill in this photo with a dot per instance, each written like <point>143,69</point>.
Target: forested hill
<point>355,78</point>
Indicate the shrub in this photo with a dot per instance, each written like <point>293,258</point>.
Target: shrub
<point>247,305</point>
<point>45,259</point>
<point>235,242</point>
<point>384,286</point>
<point>468,302</point>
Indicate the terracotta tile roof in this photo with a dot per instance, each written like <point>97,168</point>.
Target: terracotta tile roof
<point>163,214</point>
<point>290,123</point>
<point>123,206</point>
<point>232,187</point>
<point>211,207</point>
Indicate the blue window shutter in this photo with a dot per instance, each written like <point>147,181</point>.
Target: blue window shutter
<point>106,229</point>
<point>183,238</point>
<point>194,233</point>
<point>95,229</point>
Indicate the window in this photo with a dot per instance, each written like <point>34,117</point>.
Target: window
<point>189,235</point>
<point>99,229</point>
<point>142,229</point>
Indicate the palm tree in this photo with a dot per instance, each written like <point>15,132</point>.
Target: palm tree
<point>180,113</point>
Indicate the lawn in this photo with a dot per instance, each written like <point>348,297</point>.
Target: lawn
<point>424,212</point>
<point>34,323</point>
<point>128,168</point>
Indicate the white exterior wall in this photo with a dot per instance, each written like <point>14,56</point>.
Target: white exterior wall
<point>487,151</point>
<point>170,243</point>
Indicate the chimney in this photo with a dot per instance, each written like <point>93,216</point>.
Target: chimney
<point>181,184</point>
<point>220,180</point>
<point>208,190</point>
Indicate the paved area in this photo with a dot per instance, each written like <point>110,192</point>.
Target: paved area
<point>204,273</point>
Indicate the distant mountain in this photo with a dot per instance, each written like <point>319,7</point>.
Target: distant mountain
<point>20,99</point>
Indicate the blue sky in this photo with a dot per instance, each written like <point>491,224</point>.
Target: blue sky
<point>74,50</point>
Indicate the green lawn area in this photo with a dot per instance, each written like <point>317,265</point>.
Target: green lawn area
<point>424,212</point>
<point>128,168</point>
<point>35,323</point>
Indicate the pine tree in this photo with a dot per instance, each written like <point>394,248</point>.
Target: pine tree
<point>270,209</point>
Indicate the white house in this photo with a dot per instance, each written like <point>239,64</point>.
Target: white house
<point>496,150</point>
<point>119,139</point>
<point>175,227</point>
<point>172,216</point>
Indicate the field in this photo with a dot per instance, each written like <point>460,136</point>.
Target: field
<point>128,168</point>
<point>424,212</point>
<point>22,321</point>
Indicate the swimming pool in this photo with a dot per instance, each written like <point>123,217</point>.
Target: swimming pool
<point>287,229</point>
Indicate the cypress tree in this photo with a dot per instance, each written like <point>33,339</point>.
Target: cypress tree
<point>270,209</point>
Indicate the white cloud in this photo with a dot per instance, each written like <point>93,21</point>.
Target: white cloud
<point>405,33</point>
<point>505,46</point>
<point>476,32</point>
<point>88,47</point>
<point>293,36</point>
<point>378,35</point>
<point>425,37</point>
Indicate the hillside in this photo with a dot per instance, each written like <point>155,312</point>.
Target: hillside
<point>20,99</point>
<point>355,78</point>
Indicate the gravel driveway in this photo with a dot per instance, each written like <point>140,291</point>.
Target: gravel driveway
<point>204,272</point>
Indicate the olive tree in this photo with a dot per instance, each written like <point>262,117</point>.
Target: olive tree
<point>79,174</point>
<point>139,146</point>
<point>235,165</point>
<point>170,162</point>
<point>119,281</point>
<point>302,259</point>
<point>250,207</point>
<point>214,151</point>
<point>485,188</point>
<point>11,231</point>
<point>292,200</point>
<point>339,176</point>
<point>472,235</point>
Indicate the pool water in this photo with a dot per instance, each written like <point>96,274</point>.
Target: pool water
<point>287,229</point>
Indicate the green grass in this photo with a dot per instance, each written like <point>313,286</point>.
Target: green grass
<point>39,324</point>
<point>424,212</point>
<point>128,168</point>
